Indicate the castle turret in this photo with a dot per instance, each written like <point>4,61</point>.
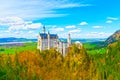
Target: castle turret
<point>69,40</point>
<point>44,30</point>
<point>48,35</point>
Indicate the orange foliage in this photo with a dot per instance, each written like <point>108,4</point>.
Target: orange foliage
<point>49,65</point>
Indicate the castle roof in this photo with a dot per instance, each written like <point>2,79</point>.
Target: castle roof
<point>45,35</point>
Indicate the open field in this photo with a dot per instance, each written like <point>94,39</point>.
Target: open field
<point>91,48</point>
<point>16,48</point>
<point>95,48</point>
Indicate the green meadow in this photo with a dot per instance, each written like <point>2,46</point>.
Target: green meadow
<point>8,49</point>
<point>95,48</point>
<point>91,48</point>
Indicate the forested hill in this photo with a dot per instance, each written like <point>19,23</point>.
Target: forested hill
<point>113,38</point>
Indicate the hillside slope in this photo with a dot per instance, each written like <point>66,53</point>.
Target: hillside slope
<point>113,38</point>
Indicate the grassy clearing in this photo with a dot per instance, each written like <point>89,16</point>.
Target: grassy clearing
<point>94,48</point>
<point>97,51</point>
<point>89,45</point>
<point>8,49</point>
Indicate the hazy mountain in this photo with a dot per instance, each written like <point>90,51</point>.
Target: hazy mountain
<point>85,40</point>
<point>12,39</point>
<point>113,38</point>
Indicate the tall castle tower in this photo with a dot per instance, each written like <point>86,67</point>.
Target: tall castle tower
<point>69,40</point>
<point>48,35</point>
<point>44,30</point>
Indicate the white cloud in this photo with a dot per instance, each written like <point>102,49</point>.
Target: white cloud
<point>30,32</point>
<point>112,18</point>
<point>83,23</point>
<point>16,23</point>
<point>19,34</point>
<point>75,34</point>
<point>10,21</point>
<point>34,26</point>
<point>75,31</point>
<point>108,21</point>
<point>71,26</point>
<point>78,34</point>
<point>97,35</point>
<point>68,5</point>
<point>102,33</point>
<point>7,31</point>
<point>63,35</point>
<point>36,8</point>
<point>55,30</point>
<point>97,27</point>
<point>94,32</point>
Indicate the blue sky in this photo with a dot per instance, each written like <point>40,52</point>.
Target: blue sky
<point>80,18</point>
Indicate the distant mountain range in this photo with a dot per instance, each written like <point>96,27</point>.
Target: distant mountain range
<point>12,39</point>
<point>113,38</point>
<point>85,40</point>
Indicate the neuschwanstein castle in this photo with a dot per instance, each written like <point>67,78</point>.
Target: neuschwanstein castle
<point>47,41</point>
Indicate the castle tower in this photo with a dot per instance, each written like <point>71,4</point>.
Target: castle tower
<point>48,35</point>
<point>38,43</point>
<point>44,30</point>
<point>69,40</point>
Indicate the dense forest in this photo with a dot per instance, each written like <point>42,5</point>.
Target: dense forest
<point>51,65</point>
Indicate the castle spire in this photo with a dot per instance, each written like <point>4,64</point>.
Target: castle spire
<point>69,40</point>
<point>48,40</point>
<point>44,30</point>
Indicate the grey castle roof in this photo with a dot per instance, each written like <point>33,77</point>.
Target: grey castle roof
<point>45,35</point>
